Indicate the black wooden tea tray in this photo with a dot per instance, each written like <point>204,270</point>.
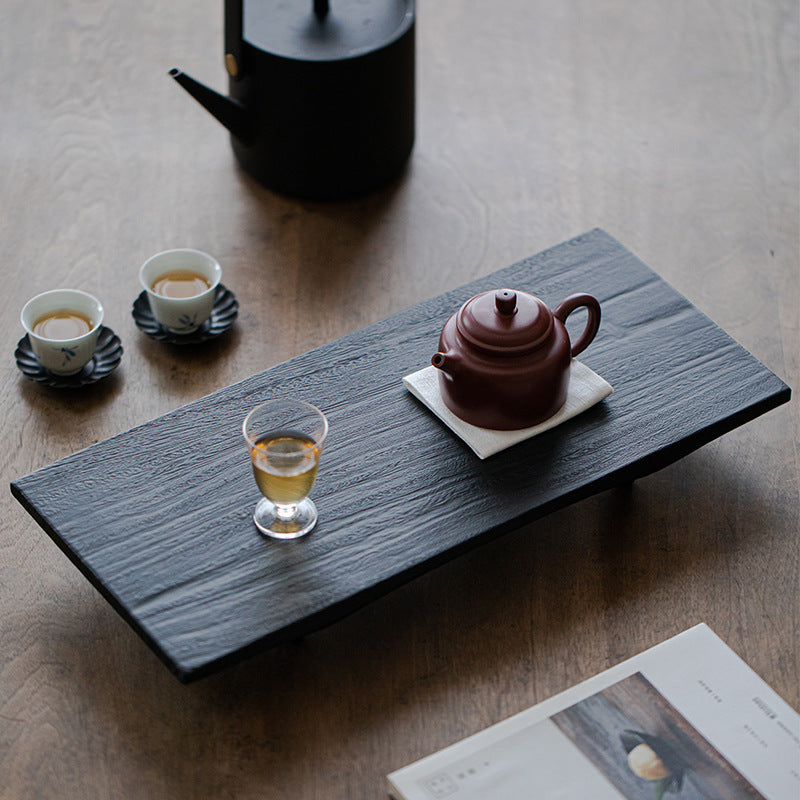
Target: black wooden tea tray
<point>159,518</point>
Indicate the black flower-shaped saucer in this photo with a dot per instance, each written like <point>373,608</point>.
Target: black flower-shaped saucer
<point>106,358</point>
<point>223,315</point>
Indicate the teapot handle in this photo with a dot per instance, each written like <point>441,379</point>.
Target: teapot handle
<point>573,302</point>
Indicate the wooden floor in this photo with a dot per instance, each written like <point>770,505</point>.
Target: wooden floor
<point>673,126</point>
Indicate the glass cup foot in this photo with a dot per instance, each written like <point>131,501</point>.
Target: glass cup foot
<point>272,520</point>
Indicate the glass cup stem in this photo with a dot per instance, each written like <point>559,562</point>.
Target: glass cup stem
<point>285,512</point>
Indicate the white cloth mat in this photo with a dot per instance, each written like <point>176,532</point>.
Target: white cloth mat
<point>586,388</point>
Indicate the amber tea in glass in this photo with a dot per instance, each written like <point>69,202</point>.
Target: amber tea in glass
<point>285,440</point>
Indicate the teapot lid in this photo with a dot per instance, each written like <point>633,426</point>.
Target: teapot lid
<point>504,322</point>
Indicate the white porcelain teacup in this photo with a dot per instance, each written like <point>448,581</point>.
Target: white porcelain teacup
<point>193,277</point>
<point>62,327</point>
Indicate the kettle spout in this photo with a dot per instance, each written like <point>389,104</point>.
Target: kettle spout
<point>231,113</point>
<point>448,363</point>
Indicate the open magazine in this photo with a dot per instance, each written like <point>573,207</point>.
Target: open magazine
<point>685,720</point>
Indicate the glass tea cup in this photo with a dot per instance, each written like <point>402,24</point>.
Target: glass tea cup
<point>285,439</point>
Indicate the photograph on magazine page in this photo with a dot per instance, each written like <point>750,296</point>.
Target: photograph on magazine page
<point>646,749</point>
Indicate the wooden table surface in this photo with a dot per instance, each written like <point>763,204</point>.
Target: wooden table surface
<point>672,126</point>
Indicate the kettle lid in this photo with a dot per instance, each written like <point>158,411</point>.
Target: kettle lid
<point>323,31</point>
<point>505,322</point>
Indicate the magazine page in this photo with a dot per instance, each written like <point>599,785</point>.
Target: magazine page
<point>687,719</point>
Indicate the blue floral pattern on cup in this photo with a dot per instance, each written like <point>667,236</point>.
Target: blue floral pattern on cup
<point>69,353</point>
<point>187,323</point>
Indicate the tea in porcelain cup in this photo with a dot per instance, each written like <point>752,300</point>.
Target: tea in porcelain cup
<point>181,286</point>
<point>62,327</point>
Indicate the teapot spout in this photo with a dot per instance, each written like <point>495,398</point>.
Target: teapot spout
<point>449,363</point>
<point>232,114</point>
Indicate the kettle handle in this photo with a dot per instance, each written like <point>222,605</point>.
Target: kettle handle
<point>573,302</point>
<point>233,38</point>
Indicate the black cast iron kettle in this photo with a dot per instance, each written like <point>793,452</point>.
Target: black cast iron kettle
<point>321,101</point>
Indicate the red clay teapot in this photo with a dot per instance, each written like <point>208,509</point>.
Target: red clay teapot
<point>504,357</point>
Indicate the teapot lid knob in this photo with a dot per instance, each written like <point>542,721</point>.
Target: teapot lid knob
<point>505,301</point>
